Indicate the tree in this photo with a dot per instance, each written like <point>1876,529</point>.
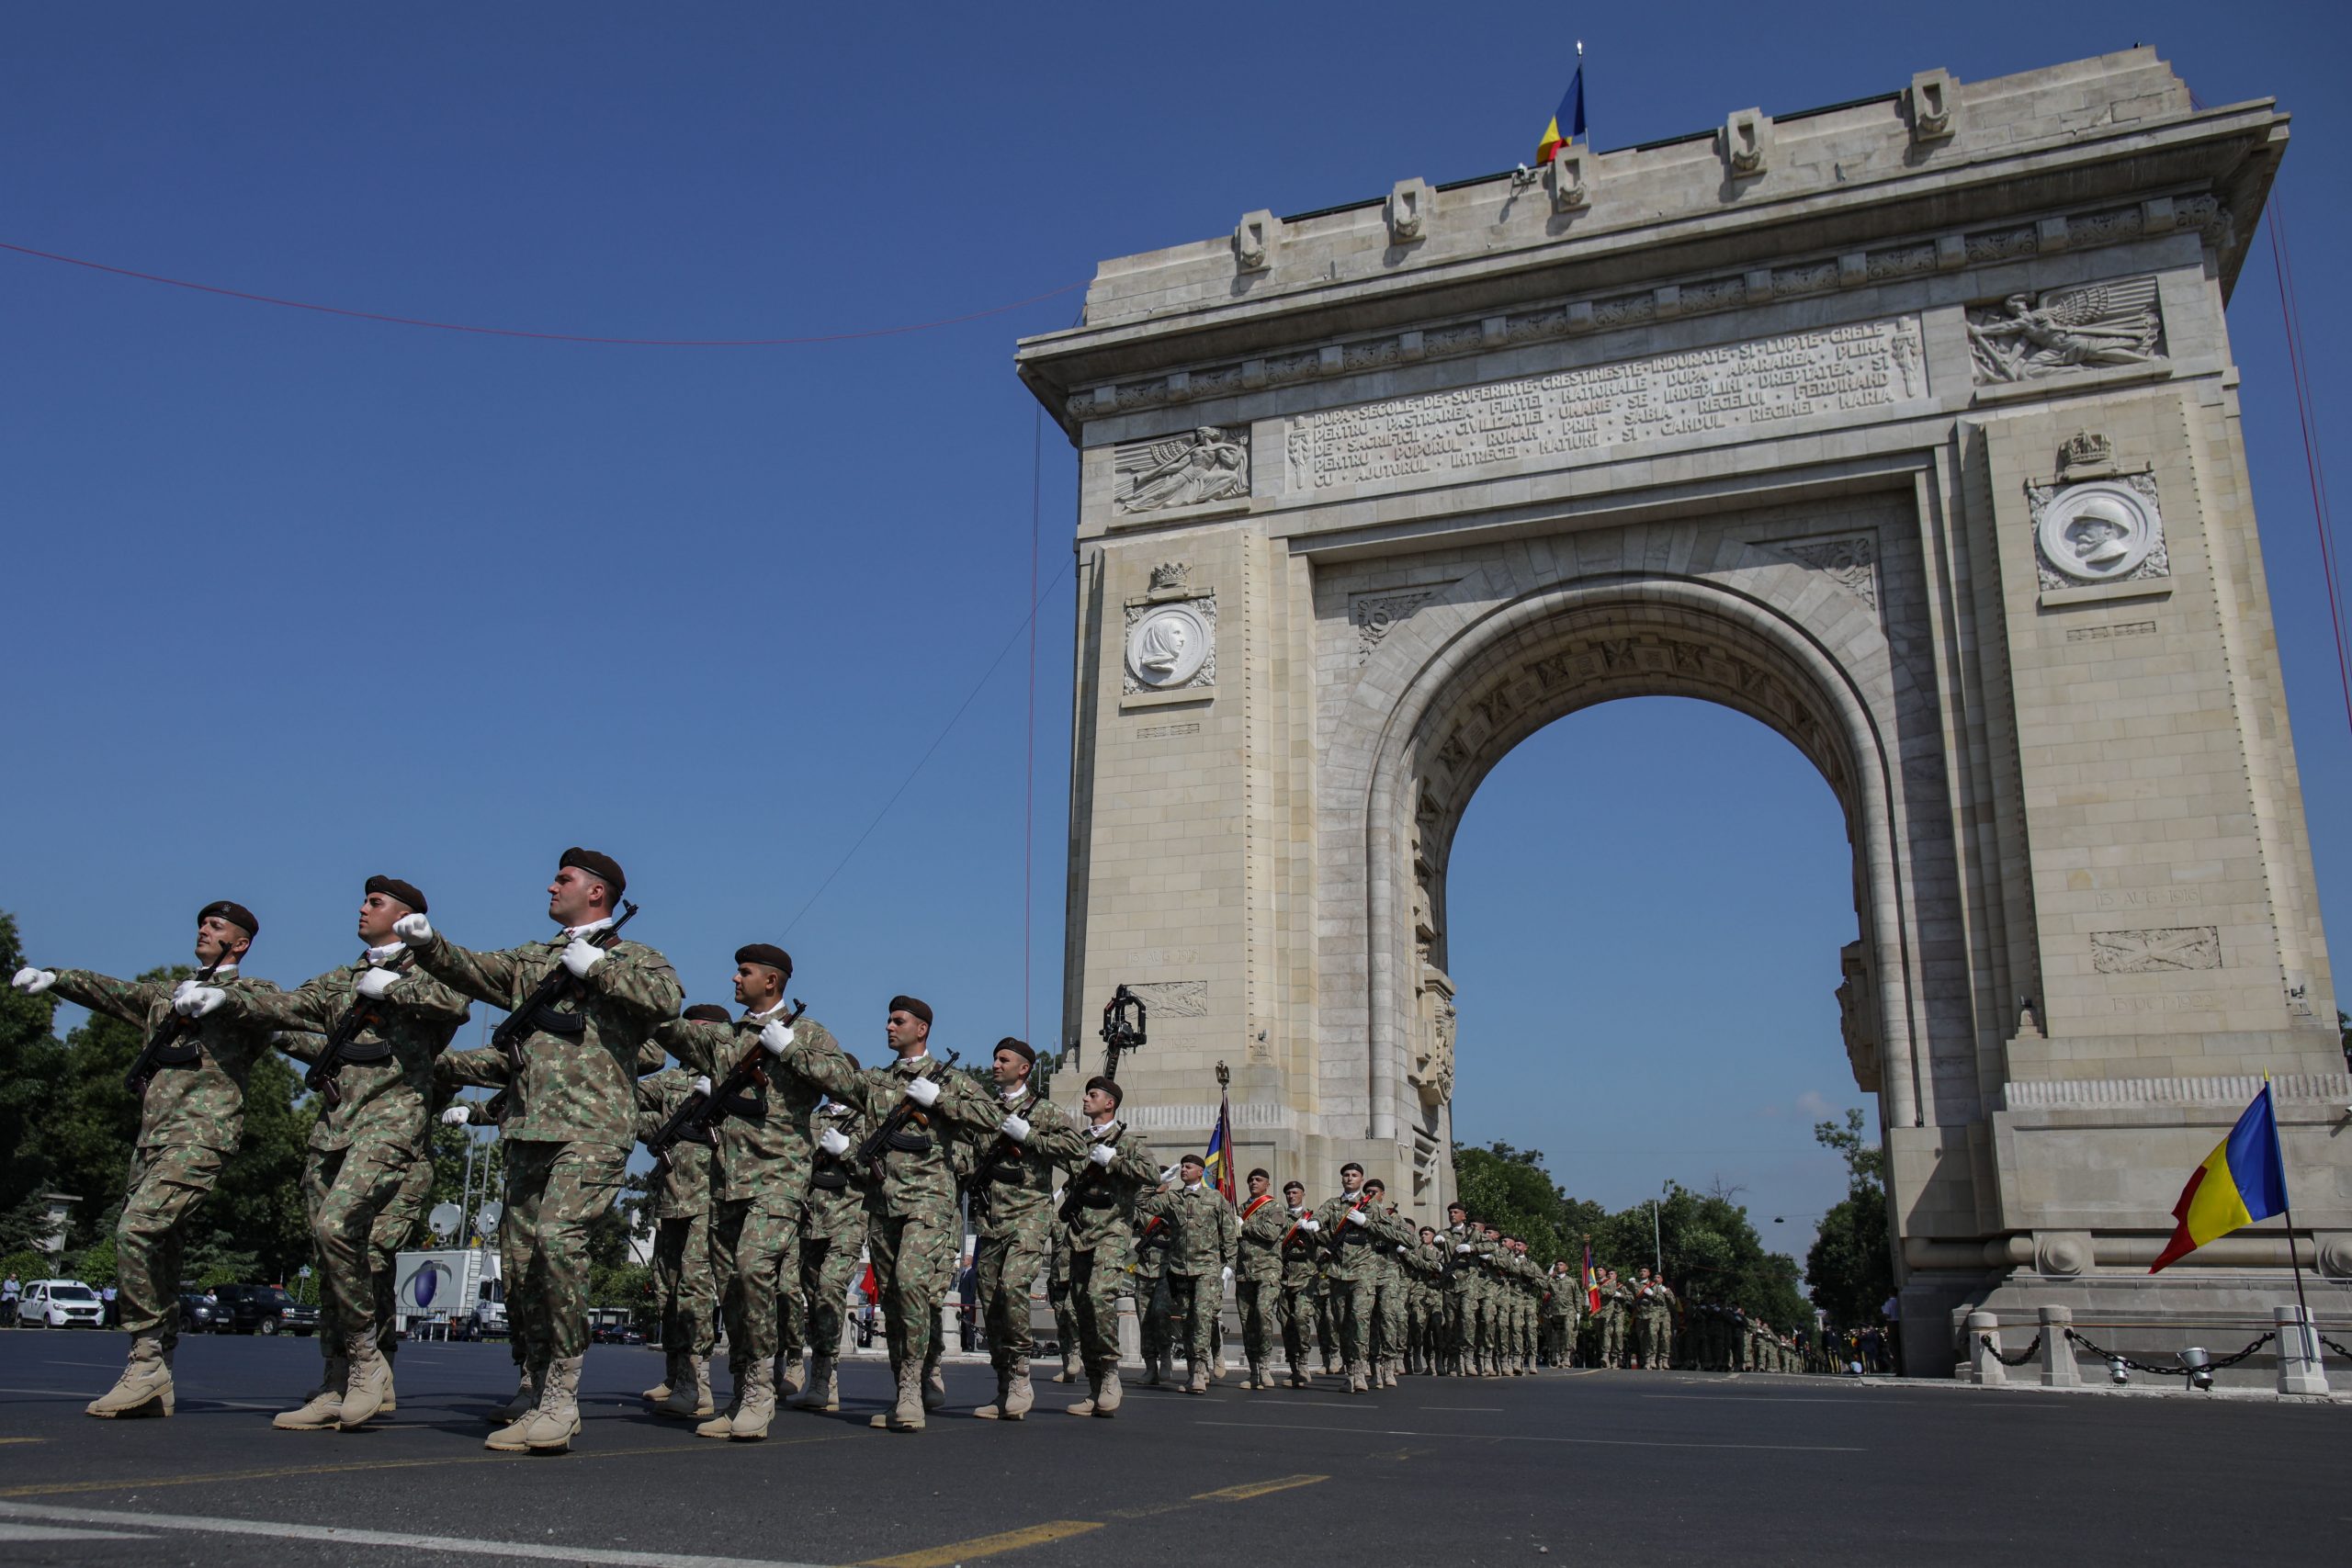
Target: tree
<point>31,1061</point>
<point>1850,1267</point>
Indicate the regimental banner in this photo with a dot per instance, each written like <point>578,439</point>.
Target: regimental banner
<point>1737,387</point>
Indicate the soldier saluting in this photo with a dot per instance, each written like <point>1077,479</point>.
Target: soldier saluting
<point>572,1101</point>
<point>191,1114</point>
<point>1200,1257</point>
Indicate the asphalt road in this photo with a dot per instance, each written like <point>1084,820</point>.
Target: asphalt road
<point>1637,1468</point>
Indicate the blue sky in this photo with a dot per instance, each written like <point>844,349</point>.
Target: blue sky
<point>293,599</point>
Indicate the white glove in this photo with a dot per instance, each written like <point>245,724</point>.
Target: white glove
<point>1017,1129</point>
<point>373,983</point>
<point>456,1116</point>
<point>1357,1217</point>
<point>924,1092</point>
<point>1310,1225</point>
<point>832,1142</point>
<point>33,982</point>
<point>1170,1173</point>
<point>198,1000</point>
<point>182,990</point>
<point>1228,1280</point>
<point>1101,1155</point>
<point>580,955</point>
<point>1461,1248</point>
<point>776,1037</point>
<point>702,1087</point>
<point>412,928</point>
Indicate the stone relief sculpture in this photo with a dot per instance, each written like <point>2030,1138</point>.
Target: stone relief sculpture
<point>1432,1073</point>
<point>2158,951</point>
<point>2080,328</point>
<point>2101,531</point>
<point>1857,1015</point>
<point>1208,463</point>
<point>1172,646</point>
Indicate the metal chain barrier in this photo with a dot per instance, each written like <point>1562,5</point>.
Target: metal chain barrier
<point>2335,1346</point>
<point>2020,1359</point>
<point>2173,1371</point>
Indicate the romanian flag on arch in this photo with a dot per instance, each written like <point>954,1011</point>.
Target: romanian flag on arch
<point>2242,1180</point>
<point>1568,120</point>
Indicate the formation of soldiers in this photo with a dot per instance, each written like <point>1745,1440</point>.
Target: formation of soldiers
<point>798,1164</point>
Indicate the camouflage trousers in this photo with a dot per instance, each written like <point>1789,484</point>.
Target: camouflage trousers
<point>1294,1304</point>
<point>1260,1305</point>
<point>554,1191</point>
<point>1453,1327</point>
<point>1097,1279</point>
<point>167,1183</point>
<point>685,1291</point>
<point>1355,1305</point>
<point>344,1192</point>
<point>1559,1338</point>
<point>1195,1302</point>
<point>1388,1317</point>
<point>1477,1322</point>
<point>914,1259</point>
<point>1007,1264</point>
<point>1612,1336</point>
<point>1423,1312</point>
<point>1656,1339</point>
<point>1151,1302</point>
<point>386,1238</point>
<point>826,1264</point>
<point>754,1249</point>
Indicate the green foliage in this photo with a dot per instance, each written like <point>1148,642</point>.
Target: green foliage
<point>30,1062</point>
<point>26,1264</point>
<point>96,1263</point>
<point>24,1227</point>
<point>1850,1267</point>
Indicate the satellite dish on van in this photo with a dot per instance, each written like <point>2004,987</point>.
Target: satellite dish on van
<point>443,1221</point>
<point>486,1217</point>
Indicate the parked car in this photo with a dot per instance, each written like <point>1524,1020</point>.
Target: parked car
<point>262,1309</point>
<point>617,1333</point>
<point>201,1312</point>
<point>60,1303</point>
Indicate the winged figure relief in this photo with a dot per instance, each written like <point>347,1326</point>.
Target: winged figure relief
<point>1184,471</point>
<point>2082,327</point>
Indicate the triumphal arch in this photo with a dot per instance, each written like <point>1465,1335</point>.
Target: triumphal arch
<point>1908,427</point>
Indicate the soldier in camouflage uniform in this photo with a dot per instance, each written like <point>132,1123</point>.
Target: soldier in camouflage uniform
<point>685,1289</point>
<point>1300,1249</point>
<point>1099,1205</point>
<point>1352,1225</point>
<point>912,1228</point>
<point>387,1239</point>
<point>1259,1276</point>
<point>190,1118</point>
<point>1559,1314</point>
<point>571,1121</point>
<point>1426,1302</point>
<point>1200,1257</point>
<point>1012,1206</point>
<point>763,1165</point>
<point>1616,1310</point>
<point>1057,1295</point>
<point>832,1236</point>
<point>1460,1242</point>
<point>1393,1237</point>
<point>362,1147</point>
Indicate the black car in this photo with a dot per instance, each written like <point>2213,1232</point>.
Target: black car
<point>262,1309</point>
<point>615,1334</point>
<point>201,1312</point>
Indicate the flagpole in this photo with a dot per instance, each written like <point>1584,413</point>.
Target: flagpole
<point>2287,1210</point>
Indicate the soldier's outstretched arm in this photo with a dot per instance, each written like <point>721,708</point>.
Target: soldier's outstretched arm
<point>485,1068</point>
<point>696,1044</point>
<point>492,977</point>
<point>130,1001</point>
<point>641,981</point>
<point>1059,1141</point>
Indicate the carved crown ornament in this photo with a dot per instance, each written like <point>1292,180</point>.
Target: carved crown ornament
<point>1696,295</point>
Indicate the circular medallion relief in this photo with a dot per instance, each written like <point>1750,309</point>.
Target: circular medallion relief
<point>2099,532</point>
<point>1168,647</point>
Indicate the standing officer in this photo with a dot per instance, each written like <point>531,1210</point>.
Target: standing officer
<point>1012,1201</point>
<point>1259,1276</point>
<point>1200,1257</point>
<point>1353,1271</point>
<point>1559,1313</point>
<point>832,1234</point>
<point>1099,1205</point>
<point>682,1282</point>
<point>1301,1250</point>
<point>191,1115</point>
<point>573,1113</point>
<point>372,1124</point>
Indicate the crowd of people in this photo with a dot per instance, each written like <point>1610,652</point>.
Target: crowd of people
<point>785,1167</point>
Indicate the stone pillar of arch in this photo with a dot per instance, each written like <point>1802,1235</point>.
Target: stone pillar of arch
<point>1908,428</point>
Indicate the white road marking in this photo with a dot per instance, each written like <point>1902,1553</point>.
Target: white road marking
<point>403,1540</point>
<point>1484,1408</point>
<point>1521,1438</point>
<point>56,1532</point>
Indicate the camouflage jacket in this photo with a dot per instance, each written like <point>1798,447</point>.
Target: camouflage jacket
<point>683,1180</point>
<point>575,1086</point>
<point>1013,1182</point>
<point>1106,1203</point>
<point>1302,1254</point>
<point>1263,1222</point>
<point>386,1078</point>
<point>1461,1267</point>
<point>201,1101</point>
<point>1206,1230</point>
<point>1353,1249</point>
<point>917,1166</point>
<point>834,1210</point>
<point>766,1151</point>
<point>1562,1298</point>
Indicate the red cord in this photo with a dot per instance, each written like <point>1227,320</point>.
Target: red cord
<point>546,337</point>
<point>1029,789</point>
<point>2292,317</point>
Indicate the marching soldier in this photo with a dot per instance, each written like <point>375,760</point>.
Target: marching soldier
<point>682,1283</point>
<point>191,1115</point>
<point>1200,1258</point>
<point>1257,1274</point>
<point>1559,1313</point>
<point>832,1236</point>
<point>1012,1201</point>
<point>1353,1270</point>
<point>1460,1242</point>
<point>573,1123</point>
<point>1099,1205</point>
<point>1301,1250</point>
<point>373,1122</point>
<point>388,1238</point>
<point>1155,1235</point>
<point>1388,1354</point>
<point>1057,1294</point>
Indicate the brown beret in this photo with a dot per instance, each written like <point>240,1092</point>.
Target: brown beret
<point>1190,1158</point>
<point>707,1013</point>
<point>393,888</point>
<point>1108,1086</point>
<point>765,953</point>
<point>911,1005</point>
<point>598,864</point>
<point>236,914</point>
<point>1018,1048</point>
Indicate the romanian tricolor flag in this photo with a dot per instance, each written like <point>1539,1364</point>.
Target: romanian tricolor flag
<point>1220,1155</point>
<point>1568,120</point>
<point>1591,1282</point>
<point>2242,1180</point>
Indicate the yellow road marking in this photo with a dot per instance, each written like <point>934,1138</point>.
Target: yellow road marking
<point>1256,1489</point>
<point>985,1546</point>
<point>23,1440</point>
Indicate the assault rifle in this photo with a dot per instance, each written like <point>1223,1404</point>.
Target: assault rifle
<point>538,1012</point>
<point>696,1114</point>
<point>1074,1191</point>
<point>1122,1028</point>
<point>321,1079</point>
<point>151,1055</point>
<point>869,1153</point>
<point>1339,1229</point>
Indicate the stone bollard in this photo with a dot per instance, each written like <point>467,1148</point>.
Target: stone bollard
<point>2300,1369</point>
<point>2058,1368</point>
<point>1984,1360</point>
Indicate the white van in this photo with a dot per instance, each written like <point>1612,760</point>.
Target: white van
<point>60,1303</point>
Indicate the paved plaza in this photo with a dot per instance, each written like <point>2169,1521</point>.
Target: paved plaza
<point>1631,1467</point>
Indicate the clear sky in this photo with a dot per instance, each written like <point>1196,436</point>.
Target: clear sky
<point>292,598</point>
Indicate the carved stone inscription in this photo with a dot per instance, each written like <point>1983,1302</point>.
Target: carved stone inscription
<point>1867,365</point>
